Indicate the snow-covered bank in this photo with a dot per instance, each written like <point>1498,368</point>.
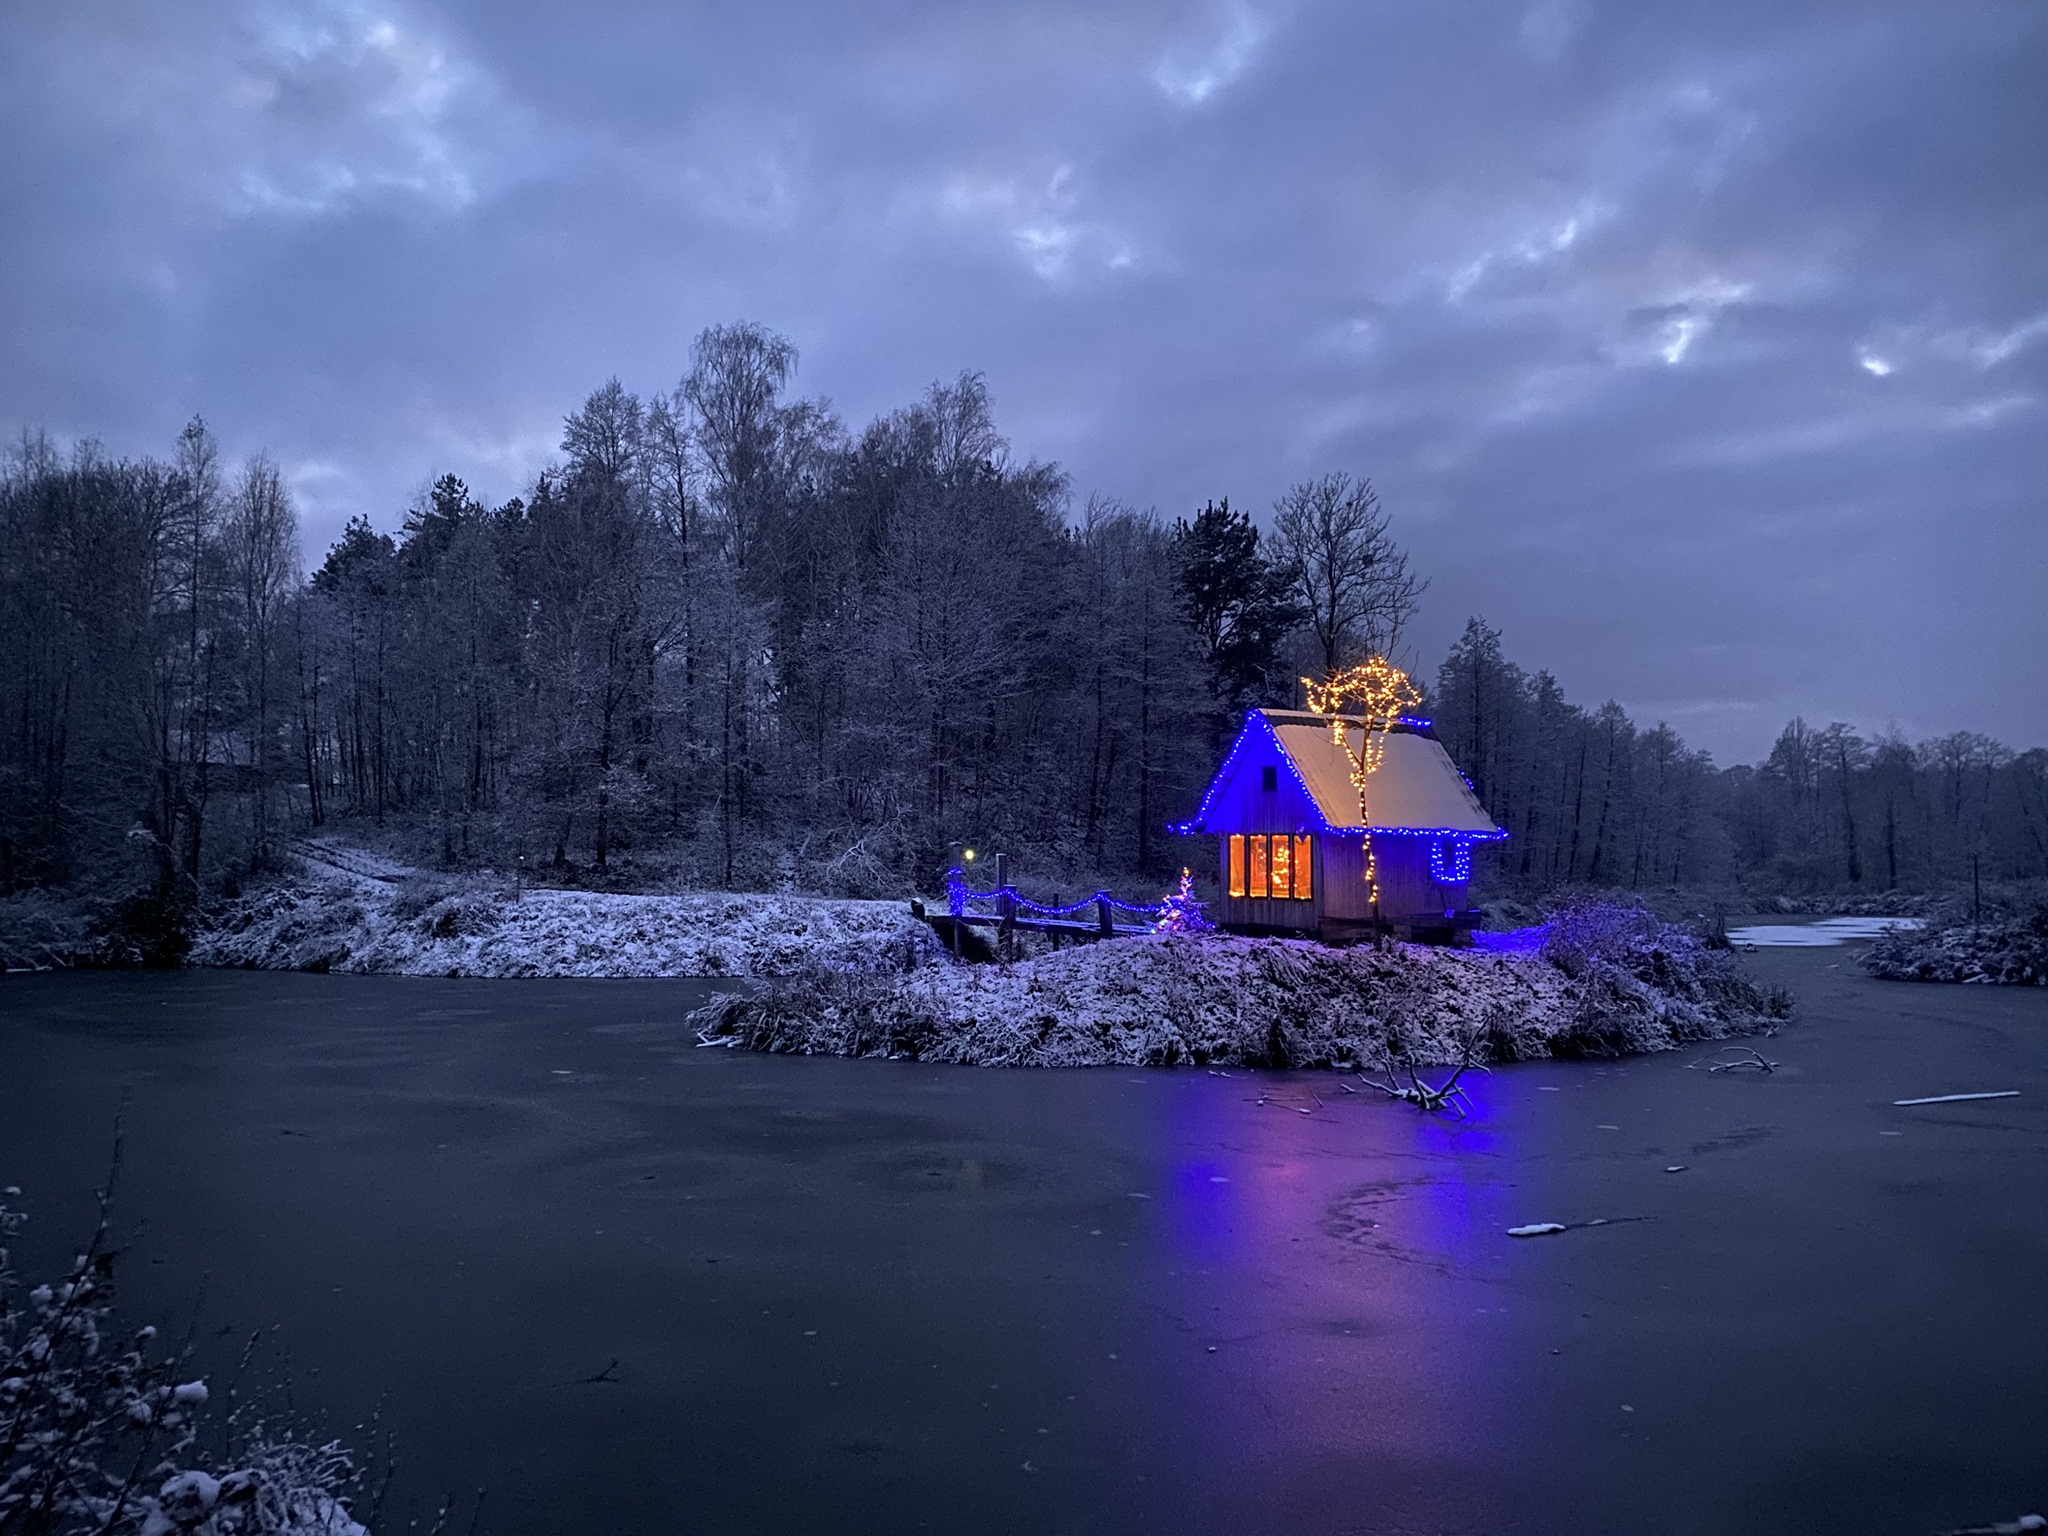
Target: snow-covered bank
<point>2008,949</point>
<point>424,926</point>
<point>859,978</point>
<point>1603,982</point>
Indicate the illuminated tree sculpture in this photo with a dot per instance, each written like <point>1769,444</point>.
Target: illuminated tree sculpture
<point>1374,695</point>
<point>1182,911</point>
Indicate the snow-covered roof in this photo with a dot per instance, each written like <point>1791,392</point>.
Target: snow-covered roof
<point>1415,788</point>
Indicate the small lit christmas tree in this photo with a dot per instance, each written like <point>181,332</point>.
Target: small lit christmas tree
<point>1182,911</point>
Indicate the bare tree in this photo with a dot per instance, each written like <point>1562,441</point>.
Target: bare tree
<point>603,440</point>
<point>1348,573</point>
<point>263,559</point>
<point>188,689</point>
<point>736,374</point>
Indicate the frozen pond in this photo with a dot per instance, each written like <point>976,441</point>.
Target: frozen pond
<point>1824,934</point>
<point>878,1297</point>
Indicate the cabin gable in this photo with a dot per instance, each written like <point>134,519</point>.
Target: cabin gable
<point>1263,792</point>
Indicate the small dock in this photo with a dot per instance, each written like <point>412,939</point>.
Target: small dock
<point>966,933</point>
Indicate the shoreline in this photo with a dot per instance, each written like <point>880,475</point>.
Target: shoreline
<point>865,978</point>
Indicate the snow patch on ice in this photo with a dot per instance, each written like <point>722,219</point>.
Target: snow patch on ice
<point>1823,934</point>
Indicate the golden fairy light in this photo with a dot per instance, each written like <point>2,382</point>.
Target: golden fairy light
<point>1375,694</point>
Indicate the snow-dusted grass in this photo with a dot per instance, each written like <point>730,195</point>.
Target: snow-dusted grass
<point>335,920</point>
<point>2008,949</point>
<point>1605,981</point>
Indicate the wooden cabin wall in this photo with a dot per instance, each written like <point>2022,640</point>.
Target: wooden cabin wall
<point>1408,893</point>
<point>1406,890</point>
<point>1409,896</point>
<point>1342,894</point>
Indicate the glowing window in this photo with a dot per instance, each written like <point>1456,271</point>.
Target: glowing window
<point>1236,865</point>
<point>1259,886</point>
<point>1304,851</point>
<point>1280,867</point>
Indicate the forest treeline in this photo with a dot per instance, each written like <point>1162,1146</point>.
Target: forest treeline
<point>725,640</point>
<point>1590,798</point>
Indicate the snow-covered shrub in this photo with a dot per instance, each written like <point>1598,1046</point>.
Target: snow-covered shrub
<point>1223,999</point>
<point>41,928</point>
<point>1641,978</point>
<point>100,1427</point>
<point>2009,950</point>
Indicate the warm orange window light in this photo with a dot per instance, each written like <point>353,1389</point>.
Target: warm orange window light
<point>1236,865</point>
<point>1283,882</point>
<point>1258,881</point>
<point>1304,856</point>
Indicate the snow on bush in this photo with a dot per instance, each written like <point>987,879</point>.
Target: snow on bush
<point>430,926</point>
<point>2009,950</point>
<point>41,929</point>
<point>99,1434</point>
<point>1607,980</point>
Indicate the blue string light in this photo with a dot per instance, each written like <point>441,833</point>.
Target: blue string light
<point>1450,861</point>
<point>959,898</point>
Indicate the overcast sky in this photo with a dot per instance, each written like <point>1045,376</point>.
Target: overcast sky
<point>1702,348</point>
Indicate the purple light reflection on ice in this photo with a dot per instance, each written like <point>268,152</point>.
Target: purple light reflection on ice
<point>1202,1212</point>
<point>1337,1275</point>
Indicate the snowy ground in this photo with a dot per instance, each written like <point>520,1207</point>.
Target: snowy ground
<point>354,913</point>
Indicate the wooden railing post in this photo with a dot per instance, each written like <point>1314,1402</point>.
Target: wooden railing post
<point>1103,919</point>
<point>1006,902</point>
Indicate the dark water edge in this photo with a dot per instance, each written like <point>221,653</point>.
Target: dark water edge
<point>873,1296</point>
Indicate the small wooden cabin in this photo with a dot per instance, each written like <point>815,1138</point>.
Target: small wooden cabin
<point>1292,846</point>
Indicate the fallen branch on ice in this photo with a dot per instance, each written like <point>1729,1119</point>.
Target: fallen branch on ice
<point>1749,1060</point>
<point>1447,1099</point>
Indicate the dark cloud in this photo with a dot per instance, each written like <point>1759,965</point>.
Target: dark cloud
<point>1703,349</point>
